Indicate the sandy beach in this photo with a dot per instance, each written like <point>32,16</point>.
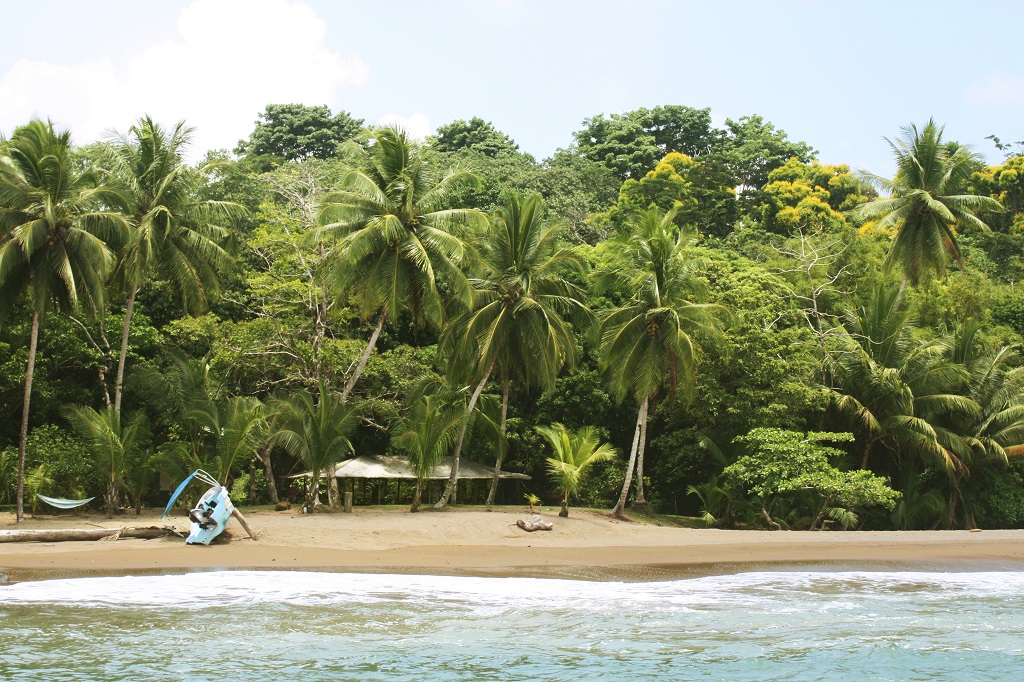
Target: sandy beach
<point>479,542</point>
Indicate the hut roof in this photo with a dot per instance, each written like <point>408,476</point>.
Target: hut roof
<point>396,466</point>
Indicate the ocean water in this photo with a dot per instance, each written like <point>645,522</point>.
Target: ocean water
<point>255,625</point>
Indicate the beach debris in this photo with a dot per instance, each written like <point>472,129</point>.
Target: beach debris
<point>534,524</point>
<point>72,534</point>
<point>284,505</point>
<point>113,538</point>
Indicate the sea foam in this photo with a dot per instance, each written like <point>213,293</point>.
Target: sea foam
<point>220,588</point>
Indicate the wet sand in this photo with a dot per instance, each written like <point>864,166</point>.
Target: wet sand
<point>479,542</point>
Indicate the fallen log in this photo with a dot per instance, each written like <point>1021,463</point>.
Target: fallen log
<point>70,534</point>
<point>534,524</point>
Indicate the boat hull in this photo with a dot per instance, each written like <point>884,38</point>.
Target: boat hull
<point>210,516</point>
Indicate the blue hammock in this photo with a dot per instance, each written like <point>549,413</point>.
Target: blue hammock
<point>61,503</point>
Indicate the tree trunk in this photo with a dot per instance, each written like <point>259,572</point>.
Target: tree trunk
<point>269,471</point>
<point>534,524</point>
<point>620,506</point>
<point>867,453</point>
<point>23,440</point>
<point>333,495</point>
<point>105,352</point>
<point>903,288</point>
<point>502,445</point>
<point>417,497</point>
<point>772,525</point>
<point>320,319</point>
<point>119,382</point>
<point>313,489</point>
<point>111,498</point>
<point>564,512</point>
<point>951,508</point>
<point>641,500</point>
<point>364,358</point>
<point>453,480</point>
<point>821,514</point>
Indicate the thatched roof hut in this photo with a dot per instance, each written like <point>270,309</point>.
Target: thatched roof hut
<point>396,466</point>
<point>375,473</point>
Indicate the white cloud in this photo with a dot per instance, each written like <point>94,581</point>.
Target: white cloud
<point>997,90</point>
<point>55,91</point>
<point>417,125</point>
<point>230,59</point>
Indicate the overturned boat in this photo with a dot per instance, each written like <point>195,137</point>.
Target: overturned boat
<point>211,514</point>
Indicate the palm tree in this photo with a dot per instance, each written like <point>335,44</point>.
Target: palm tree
<point>996,430</point>
<point>896,388</point>
<point>192,395</point>
<point>395,235</point>
<point>174,236</point>
<point>653,337</point>
<point>54,238</point>
<point>925,203</point>
<point>997,385</point>
<point>574,453</point>
<point>114,444</point>
<point>235,427</point>
<point>426,433</point>
<point>219,431</point>
<point>516,323</point>
<point>315,430</point>
<point>37,481</point>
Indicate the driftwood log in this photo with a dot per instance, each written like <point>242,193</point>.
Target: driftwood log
<point>83,534</point>
<point>534,524</point>
<point>245,524</point>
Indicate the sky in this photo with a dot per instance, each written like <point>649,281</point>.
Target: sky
<point>839,76</point>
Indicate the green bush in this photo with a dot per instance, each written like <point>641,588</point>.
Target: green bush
<point>1000,503</point>
<point>69,467</point>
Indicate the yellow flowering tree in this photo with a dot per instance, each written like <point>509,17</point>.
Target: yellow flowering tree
<point>699,190</point>
<point>808,196</point>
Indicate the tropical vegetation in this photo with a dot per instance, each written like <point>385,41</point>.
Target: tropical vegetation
<point>664,316</point>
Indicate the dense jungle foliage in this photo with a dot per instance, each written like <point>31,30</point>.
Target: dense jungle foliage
<point>762,340</point>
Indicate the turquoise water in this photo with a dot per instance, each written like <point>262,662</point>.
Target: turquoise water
<point>251,625</point>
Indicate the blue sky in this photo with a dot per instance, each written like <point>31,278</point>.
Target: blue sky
<point>838,76</point>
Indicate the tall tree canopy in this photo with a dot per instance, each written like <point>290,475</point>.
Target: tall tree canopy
<point>753,148</point>
<point>632,143</point>
<point>475,134</point>
<point>295,132</point>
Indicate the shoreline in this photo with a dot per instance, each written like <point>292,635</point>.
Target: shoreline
<point>587,545</point>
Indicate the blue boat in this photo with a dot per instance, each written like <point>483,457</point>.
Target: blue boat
<point>210,515</point>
